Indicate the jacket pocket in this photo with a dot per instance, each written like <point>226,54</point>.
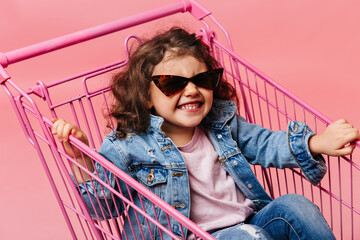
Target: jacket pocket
<point>154,179</point>
<point>151,176</point>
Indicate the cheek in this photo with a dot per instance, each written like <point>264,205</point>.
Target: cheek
<point>153,95</point>
<point>159,101</point>
<point>209,98</point>
<point>208,95</point>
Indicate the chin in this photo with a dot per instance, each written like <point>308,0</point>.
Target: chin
<point>191,124</point>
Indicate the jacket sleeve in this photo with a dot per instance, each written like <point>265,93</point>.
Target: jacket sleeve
<point>100,201</point>
<point>280,149</point>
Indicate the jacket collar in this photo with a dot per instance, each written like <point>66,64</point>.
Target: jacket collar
<point>221,112</point>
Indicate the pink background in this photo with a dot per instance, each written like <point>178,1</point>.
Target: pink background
<point>310,47</point>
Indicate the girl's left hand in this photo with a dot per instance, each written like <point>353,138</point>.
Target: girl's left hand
<point>336,140</point>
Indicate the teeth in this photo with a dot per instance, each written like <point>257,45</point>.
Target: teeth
<point>189,107</point>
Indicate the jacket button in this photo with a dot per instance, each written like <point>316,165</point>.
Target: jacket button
<point>296,128</point>
<point>150,177</point>
<point>249,185</point>
<point>222,159</point>
<point>219,136</point>
<point>166,147</point>
<point>177,174</point>
<point>179,205</point>
<point>235,163</point>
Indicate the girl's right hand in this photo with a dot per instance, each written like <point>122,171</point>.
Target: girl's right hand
<point>62,130</point>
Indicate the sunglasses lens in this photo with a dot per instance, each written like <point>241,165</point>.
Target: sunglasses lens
<point>170,84</point>
<point>209,79</point>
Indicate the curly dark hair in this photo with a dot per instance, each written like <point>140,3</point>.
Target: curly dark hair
<point>130,87</point>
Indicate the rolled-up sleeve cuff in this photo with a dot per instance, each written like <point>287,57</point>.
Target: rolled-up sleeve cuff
<point>94,186</point>
<point>313,167</point>
<point>83,187</point>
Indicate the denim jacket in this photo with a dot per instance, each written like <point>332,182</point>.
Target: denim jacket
<point>238,144</point>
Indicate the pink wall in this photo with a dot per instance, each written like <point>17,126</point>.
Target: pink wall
<point>310,47</point>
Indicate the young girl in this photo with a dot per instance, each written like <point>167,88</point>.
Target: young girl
<point>179,134</point>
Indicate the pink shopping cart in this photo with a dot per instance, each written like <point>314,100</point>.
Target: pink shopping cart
<point>263,101</point>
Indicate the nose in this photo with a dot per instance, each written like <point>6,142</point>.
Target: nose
<point>190,89</point>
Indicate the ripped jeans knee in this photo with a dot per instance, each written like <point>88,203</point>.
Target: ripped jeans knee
<point>241,231</point>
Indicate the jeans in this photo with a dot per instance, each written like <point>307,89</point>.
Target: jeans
<point>290,216</point>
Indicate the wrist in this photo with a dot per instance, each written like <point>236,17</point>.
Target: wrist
<point>314,145</point>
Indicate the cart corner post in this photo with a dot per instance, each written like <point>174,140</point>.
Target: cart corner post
<point>3,60</point>
<point>195,9</point>
<point>3,64</point>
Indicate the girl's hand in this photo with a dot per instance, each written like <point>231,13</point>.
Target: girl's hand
<point>62,130</point>
<point>336,140</point>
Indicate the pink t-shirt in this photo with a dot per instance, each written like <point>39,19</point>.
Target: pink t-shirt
<point>216,202</point>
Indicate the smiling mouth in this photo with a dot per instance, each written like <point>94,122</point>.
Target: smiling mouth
<point>190,106</point>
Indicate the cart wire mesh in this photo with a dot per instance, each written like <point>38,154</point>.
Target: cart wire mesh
<point>262,101</point>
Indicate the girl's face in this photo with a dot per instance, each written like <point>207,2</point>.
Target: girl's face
<point>185,109</point>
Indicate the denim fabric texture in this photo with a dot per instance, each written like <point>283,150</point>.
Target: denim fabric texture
<point>238,144</point>
<point>291,216</point>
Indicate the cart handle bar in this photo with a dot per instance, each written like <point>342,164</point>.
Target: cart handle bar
<point>191,6</point>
